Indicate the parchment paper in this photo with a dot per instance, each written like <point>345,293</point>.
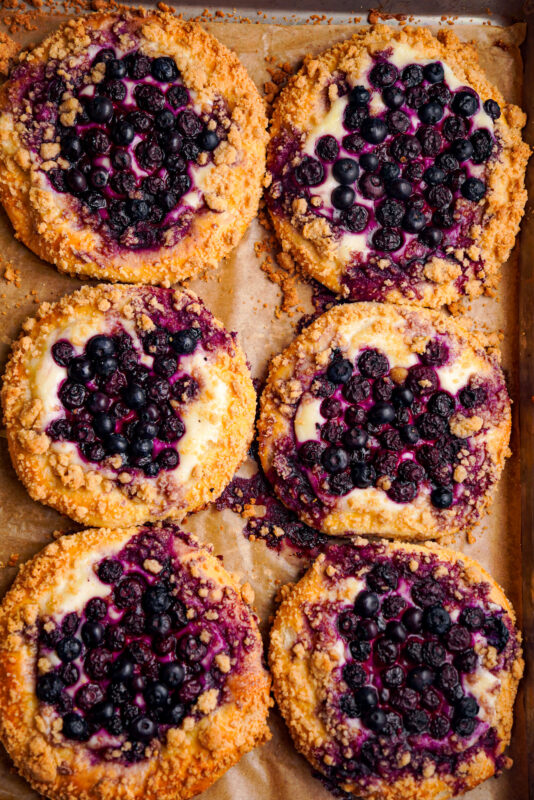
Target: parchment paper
<point>242,296</point>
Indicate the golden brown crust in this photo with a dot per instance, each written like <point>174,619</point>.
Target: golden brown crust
<point>85,493</point>
<point>192,758</point>
<point>401,333</point>
<point>311,240</point>
<point>47,222</point>
<point>298,679</point>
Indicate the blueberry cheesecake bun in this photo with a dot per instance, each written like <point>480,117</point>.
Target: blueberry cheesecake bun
<point>125,404</point>
<point>132,667</point>
<point>386,419</point>
<point>132,148</point>
<point>396,169</point>
<point>395,667</point>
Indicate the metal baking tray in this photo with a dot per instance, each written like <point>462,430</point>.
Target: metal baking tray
<point>463,12</point>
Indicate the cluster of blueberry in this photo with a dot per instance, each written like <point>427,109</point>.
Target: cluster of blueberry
<point>131,664</point>
<point>129,152</point>
<point>378,429</point>
<point>408,661</point>
<point>116,405</point>
<point>412,159</point>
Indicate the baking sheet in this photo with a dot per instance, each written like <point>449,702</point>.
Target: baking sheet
<point>241,294</point>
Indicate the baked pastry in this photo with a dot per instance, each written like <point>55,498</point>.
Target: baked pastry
<point>386,419</point>
<point>396,667</point>
<point>124,404</point>
<point>132,148</point>
<point>131,667</point>
<point>397,169</point>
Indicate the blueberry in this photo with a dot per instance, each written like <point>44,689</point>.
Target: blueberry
<point>414,221</point>
<point>335,459</point>
<point>366,604</point>
<point>436,619</point>
<point>375,720</point>
<point>474,189</point>
<point>142,729</point>
<point>349,705</point>
<point>71,148</point>
<point>177,96</point>
<point>462,149</point>
<point>164,69</point>
<point>208,140</point>
<point>472,617</point>
<point>465,104</point>
<point>387,240</point>
<point>134,396</point>
<point>149,98</point>
<point>371,186</point>
<point>116,443</point>
<point>393,97</point>
<point>367,698</point>
<point>467,707</point>
<point>390,213</point>
<point>412,75</point>
<point>492,109</point>
<point>393,677</point>
<point>345,170</point>
<point>430,113</point>
<point>416,721</point>
<point>139,209</point>
<point>396,631</point>
<point>109,570</point>
<point>400,189</point>
<point>100,109</point>
<point>76,181</point>
<point>359,650</point>
<point>355,438</point>
<point>339,370</point>
<point>102,712</point>
<point>441,497</point>
<point>309,172</point>
<point>115,69</point>
<point>431,237</point>
<point>381,413</point>
<point>327,148</point>
<point>382,577</point>
<point>123,133</point>
<point>387,651</point>
<point>419,678</point>
<point>482,144</point>
<point>457,639</point>
<point>413,619</point>
<point>383,74</point>
<point>389,171</point>
<point>360,96</point>
<point>156,599</point>
<point>342,197</point>
<point>69,648</point>
<point>156,694</point>
<point>172,674</point>
<point>49,687</point>
<point>369,162</point>
<point>363,475</point>
<point>75,727</point>
<point>374,130</point>
<point>397,122</point>
<point>354,675</point>
<point>92,633</point>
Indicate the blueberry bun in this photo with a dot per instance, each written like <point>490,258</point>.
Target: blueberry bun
<point>396,667</point>
<point>386,419</point>
<point>125,404</point>
<point>396,169</point>
<point>132,148</point>
<point>131,667</point>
